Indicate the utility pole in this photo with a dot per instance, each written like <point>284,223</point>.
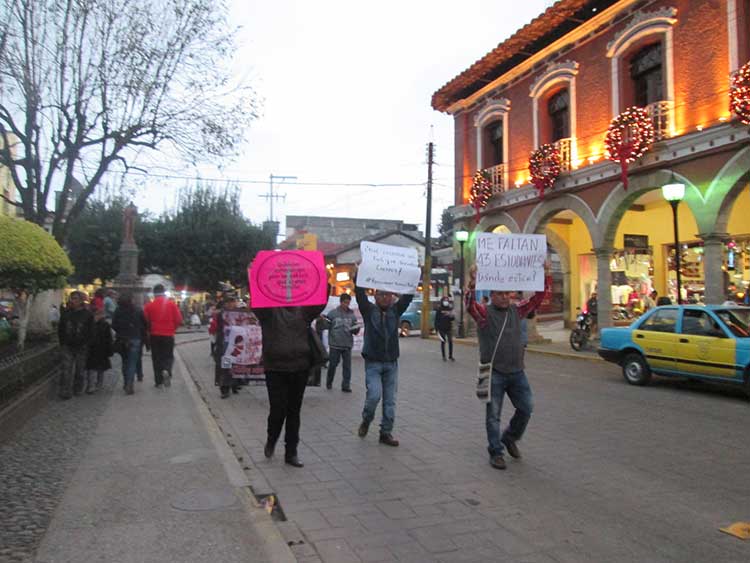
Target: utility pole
<point>271,225</point>
<point>427,274</point>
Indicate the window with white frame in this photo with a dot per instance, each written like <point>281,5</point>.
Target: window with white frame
<point>642,68</point>
<point>492,142</point>
<point>554,113</point>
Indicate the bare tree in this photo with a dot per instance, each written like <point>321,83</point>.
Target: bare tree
<point>87,85</point>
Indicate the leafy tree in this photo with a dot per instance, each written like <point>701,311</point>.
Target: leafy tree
<point>87,85</point>
<point>446,227</point>
<point>206,241</point>
<point>31,261</point>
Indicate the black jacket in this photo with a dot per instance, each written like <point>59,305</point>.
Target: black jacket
<point>286,337</point>
<point>381,327</point>
<point>129,323</point>
<point>76,328</point>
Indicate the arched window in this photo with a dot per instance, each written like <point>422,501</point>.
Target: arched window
<point>558,109</point>
<point>493,144</point>
<point>647,76</point>
<point>491,124</point>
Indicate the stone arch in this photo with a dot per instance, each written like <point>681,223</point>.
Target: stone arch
<point>724,190</point>
<point>563,251</point>
<point>489,222</point>
<point>567,202</point>
<point>619,200</point>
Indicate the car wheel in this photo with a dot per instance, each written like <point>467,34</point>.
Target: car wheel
<point>636,370</point>
<point>577,339</point>
<point>405,328</point>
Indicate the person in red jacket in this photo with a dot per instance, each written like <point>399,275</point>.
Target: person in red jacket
<point>163,317</point>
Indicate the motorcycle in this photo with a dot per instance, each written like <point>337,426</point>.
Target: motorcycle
<point>581,333</point>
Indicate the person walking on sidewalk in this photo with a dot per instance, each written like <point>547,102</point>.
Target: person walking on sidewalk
<point>287,359</point>
<point>75,331</point>
<point>381,351</point>
<point>100,350</point>
<point>444,326</point>
<point>342,326</point>
<point>163,318</point>
<point>129,323</point>
<point>499,330</point>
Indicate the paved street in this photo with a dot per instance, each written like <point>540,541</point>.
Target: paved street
<point>610,472</point>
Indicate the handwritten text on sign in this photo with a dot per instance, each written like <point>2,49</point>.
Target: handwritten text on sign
<point>388,268</point>
<point>288,279</point>
<point>511,262</point>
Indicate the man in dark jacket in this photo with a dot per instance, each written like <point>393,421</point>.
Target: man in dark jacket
<point>75,331</point>
<point>342,326</point>
<point>287,359</point>
<point>381,351</point>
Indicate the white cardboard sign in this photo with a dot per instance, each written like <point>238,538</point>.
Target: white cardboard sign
<point>389,268</point>
<point>510,262</point>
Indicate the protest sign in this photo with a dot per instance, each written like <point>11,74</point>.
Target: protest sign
<point>289,278</point>
<point>388,268</point>
<point>510,262</point>
<point>242,350</point>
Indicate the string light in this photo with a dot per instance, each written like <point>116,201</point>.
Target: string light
<point>481,191</point>
<point>629,136</point>
<point>739,94</point>
<point>545,166</point>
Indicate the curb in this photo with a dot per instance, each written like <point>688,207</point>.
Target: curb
<point>274,545</point>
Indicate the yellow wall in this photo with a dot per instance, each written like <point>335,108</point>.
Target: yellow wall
<point>739,219</point>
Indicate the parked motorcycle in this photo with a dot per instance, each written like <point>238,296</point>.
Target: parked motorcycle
<point>581,333</point>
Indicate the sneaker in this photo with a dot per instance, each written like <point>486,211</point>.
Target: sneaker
<point>167,377</point>
<point>510,445</point>
<point>346,389</point>
<point>129,389</point>
<point>497,461</point>
<point>363,428</point>
<point>388,440</point>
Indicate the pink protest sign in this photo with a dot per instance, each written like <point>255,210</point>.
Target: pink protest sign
<point>289,278</point>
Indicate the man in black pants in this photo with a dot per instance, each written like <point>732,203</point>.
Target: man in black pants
<point>287,359</point>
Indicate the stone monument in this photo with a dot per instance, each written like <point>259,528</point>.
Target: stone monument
<point>127,280</point>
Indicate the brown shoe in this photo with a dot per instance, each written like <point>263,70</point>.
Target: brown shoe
<point>510,445</point>
<point>388,440</point>
<point>497,461</point>
<point>363,428</point>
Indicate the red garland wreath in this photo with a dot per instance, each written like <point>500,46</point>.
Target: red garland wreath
<point>545,166</point>
<point>739,94</point>
<point>629,136</point>
<point>481,191</point>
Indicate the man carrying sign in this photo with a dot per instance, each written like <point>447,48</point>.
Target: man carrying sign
<point>499,330</point>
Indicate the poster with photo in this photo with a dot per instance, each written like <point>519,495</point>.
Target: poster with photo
<point>242,339</point>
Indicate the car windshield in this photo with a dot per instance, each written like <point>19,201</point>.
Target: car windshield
<point>737,321</point>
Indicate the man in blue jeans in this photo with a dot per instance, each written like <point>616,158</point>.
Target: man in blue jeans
<point>380,351</point>
<point>500,342</point>
<point>342,326</point>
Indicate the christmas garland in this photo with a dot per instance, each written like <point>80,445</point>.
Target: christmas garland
<point>739,94</point>
<point>545,166</point>
<point>481,191</point>
<point>629,136</point>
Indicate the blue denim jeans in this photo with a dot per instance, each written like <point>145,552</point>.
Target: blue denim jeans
<point>334,355</point>
<point>519,392</point>
<point>130,360</point>
<point>381,379</point>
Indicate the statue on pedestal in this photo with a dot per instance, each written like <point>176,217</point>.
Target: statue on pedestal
<point>129,215</point>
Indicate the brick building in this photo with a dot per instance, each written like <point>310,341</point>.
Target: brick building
<point>560,80</point>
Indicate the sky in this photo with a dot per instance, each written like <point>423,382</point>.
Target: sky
<point>346,89</point>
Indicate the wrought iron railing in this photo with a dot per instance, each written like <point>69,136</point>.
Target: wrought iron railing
<point>496,175</point>
<point>565,147</point>
<point>662,116</point>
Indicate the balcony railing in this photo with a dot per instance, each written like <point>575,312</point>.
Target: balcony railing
<point>661,116</point>
<point>565,146</point>
<point>496,175</point>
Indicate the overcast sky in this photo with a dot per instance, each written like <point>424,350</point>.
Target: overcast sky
<point>346,90</point>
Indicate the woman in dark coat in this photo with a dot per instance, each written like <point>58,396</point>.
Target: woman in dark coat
<point>444,326</point>
<point>130,325</point>
<point>100,350</point>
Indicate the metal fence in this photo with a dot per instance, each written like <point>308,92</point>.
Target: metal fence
<point>20,371</point>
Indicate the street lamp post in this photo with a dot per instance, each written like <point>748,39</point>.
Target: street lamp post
<point>673,192</point>
<point>462,236</point>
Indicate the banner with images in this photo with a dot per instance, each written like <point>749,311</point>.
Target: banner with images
<point>288,278</point>
<point>243,345</point>
<point>389,268</point>
<point>510,262</point>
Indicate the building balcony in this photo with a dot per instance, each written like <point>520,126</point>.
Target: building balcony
<point>662,117</point>
<point>496,175</point>
<point>565,147</point>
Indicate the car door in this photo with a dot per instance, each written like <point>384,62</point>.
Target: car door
<point>704,348</point>
<point>657,337</point>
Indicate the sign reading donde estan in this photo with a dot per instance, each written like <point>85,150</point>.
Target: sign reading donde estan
<point>511,262</point>
<point>388,268</point>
